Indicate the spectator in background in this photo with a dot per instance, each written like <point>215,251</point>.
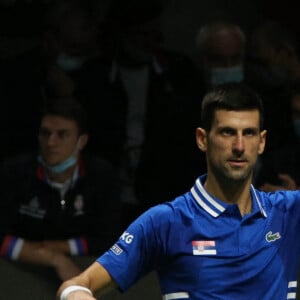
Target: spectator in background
<point>280,167</point>
<point>67,42</point>
<point>60,202</point>
<point>147,97</point>
<point>220,47</point>
<point>273,67</point>
<point>273,51</point>
<point>71,40</point>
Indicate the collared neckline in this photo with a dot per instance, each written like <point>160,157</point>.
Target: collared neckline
<point>216,207</point>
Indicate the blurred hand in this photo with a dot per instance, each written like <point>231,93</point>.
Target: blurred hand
<point>36,253</point>
<point>64,267</point>
<point>57,246</point>
<point>288,183</point>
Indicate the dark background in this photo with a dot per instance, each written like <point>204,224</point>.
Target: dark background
<point>21,20</point>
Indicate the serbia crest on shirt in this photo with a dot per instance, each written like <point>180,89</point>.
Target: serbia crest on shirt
<point>204,248</point>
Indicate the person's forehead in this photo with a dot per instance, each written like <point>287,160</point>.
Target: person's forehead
<point>75,32</point>
<point>225,42</point>
<point>236,118</point>
<point>53,122</point>
<point>74,25</point>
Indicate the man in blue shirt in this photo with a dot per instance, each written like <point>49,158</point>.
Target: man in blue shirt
<point>221,240</point>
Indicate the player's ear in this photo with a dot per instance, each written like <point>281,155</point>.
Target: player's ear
<point>262,143</point>
<point>82,141</point>
<point>201,139</point>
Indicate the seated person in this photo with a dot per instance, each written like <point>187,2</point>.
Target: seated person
<point>59,202</point>
<point>66,42</point>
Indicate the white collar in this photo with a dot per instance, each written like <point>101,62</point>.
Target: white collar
<point>214,206</point>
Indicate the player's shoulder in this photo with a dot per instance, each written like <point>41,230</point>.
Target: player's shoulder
<point>171,211</point>
<point>281,198</point>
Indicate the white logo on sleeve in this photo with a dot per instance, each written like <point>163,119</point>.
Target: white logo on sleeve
<point>116,249</point>
<point>127,237</point>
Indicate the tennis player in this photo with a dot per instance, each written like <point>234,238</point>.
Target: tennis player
<point>223,239</point>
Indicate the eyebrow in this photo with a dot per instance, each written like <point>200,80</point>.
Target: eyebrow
<point>220,128</point>
<point>48,130</point>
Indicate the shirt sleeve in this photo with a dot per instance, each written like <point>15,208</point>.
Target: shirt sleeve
<point>139,250</point>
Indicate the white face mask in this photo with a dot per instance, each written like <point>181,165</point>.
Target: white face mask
<point>69,63</point>
<point>225,75</point>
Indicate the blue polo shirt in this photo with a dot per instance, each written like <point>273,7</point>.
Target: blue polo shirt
<point>202,248</point>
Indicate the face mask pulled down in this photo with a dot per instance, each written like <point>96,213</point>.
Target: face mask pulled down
<point>64,165</point>
<point>226,75</point>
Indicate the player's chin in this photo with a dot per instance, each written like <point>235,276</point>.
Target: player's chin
<point>239,174</point>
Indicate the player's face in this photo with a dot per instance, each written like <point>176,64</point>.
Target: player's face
<point>233,144</point>
<point>58,139</point>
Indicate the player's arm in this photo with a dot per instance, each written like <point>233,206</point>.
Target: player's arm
<point>95,279</point>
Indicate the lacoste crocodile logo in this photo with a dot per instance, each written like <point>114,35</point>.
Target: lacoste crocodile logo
<point>272,237</point>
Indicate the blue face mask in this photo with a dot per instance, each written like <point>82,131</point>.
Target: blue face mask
<point>61,167</point>
<point>296,125</point>
<point>68,63</point>
<point>225,75</point>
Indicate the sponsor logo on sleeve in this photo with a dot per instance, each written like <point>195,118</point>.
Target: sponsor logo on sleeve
<point>127,237</point>
<point>116,249</point>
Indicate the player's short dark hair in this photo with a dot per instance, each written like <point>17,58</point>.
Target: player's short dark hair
<point>230,96</point>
